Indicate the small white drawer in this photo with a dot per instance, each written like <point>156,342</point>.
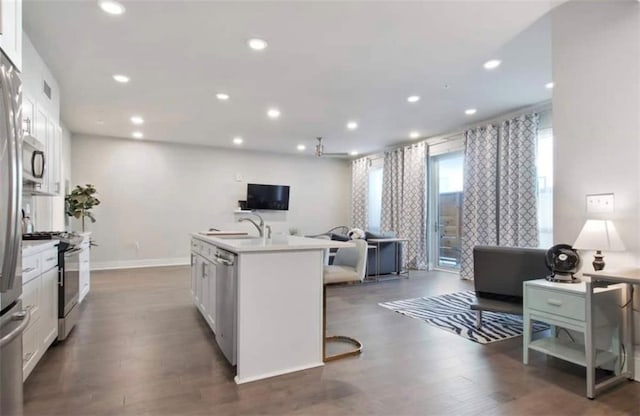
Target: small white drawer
<point>30,267</point>
<point>49,259</point>
<point>557,303</point>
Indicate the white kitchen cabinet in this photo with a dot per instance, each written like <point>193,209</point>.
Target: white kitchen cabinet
<point>49,300</point>
<point>28,115</point>
<point>204,288</point>
<point>11,31</point>
<point>84,267</point>
<point>40,296</point>
<point>38,123</point>
<point>211,299</point>
<point>203,283</point>
<point>194,274</point>
<point>40,126</point>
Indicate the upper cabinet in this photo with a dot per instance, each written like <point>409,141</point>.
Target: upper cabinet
<point>41,117</point>
<point>11,30</point>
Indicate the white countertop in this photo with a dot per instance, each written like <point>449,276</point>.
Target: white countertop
<point>30,247</point>
<point>276,243</point>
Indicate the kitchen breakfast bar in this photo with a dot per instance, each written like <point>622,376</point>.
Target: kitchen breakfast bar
<point>262,298</point>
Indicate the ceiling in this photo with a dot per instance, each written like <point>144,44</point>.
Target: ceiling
<point>327,63</point>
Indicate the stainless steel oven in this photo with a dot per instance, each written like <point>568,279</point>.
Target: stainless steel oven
<point>69,291</point>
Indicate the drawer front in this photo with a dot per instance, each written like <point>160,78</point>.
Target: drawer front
<point>30,267</point>
<point>49,259</point>
<point>31,298</point>
<point>209,251</point>
<point>195,246</point>
<point>562,304</point>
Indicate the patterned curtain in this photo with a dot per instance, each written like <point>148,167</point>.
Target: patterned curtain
<point>518,202</point>
<point>359,191</point>
<point>479,205</point>
<point>404,201</point>
<point>392,186</point>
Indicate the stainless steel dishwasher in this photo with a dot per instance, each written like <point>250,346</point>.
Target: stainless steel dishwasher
<point>226,303</point>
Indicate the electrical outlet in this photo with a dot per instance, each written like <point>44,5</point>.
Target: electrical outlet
<point>599,203</point>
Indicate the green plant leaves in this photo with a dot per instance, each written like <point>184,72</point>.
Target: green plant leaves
<point>80,201</point>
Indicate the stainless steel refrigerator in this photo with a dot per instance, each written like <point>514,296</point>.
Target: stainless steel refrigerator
<point>13,319</point>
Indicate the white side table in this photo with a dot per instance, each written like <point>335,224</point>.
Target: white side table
<point>565,305</point>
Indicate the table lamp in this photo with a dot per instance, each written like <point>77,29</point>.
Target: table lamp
<point>599,235</point>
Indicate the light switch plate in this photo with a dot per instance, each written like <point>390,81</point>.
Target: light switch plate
<point>599,203</point>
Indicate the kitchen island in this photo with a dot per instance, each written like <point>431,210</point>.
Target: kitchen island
<point>262,298</point>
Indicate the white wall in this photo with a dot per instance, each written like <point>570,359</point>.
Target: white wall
<point>156,193</point>
<point>596,116</point>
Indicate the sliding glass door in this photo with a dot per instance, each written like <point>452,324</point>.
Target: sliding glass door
<point>446,210</point>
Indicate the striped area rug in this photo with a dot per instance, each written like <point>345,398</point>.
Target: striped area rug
<point>451,312</point>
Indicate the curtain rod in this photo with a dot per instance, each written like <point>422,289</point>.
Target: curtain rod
<point>445,137</point>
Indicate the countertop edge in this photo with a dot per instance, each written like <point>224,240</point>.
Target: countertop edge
<point>225,244</point>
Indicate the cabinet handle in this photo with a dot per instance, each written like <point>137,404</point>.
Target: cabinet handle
<point>27,121</point>
<point>554,302</point>
<point>50,259</point>
<point>27,357</point>
<point>28,269</point>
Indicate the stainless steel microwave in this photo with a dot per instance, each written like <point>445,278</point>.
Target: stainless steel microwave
<point>34,162</point>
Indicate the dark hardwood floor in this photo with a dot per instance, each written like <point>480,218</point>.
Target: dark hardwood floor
<point>142,348</point>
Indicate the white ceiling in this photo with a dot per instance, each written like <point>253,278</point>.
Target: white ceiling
<point>327,63</point>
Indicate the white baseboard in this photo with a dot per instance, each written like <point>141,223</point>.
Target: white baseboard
<point>137,264</point>
<point>637,362</point>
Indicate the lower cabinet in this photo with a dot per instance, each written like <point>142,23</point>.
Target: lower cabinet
<point>40,295</point>
<point>203,284</point>
<point>84,268</point>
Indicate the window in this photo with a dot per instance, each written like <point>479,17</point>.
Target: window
<point>544,163</point>
<point>375,198</point>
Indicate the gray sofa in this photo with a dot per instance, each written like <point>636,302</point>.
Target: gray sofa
<point>498,276</point>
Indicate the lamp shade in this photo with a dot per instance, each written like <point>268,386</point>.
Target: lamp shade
<point>599,235</point>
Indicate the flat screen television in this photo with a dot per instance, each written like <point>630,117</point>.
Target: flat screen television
<point>275,197</point>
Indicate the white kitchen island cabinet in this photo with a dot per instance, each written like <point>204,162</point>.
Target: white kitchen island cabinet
<point>84,266</point>
<point>276,300</point>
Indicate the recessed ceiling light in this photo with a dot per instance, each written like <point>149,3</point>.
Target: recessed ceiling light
<point>111,7</point>
<point>413,98</point>
<point>549,85</point>
<point>123,79</point>
<point>470,111</point>
<point>237,140</point>
<point>302,147</point>
<point>414,135</point>
<point>492,64</point>
<point>257,44</point>
<point>222,96</point>
<point>353,153</point>
<point>137,120</point>
<point>273,113</point>
<point>137,135</point>
<point>352,125</point>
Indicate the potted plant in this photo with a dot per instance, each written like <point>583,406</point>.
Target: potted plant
<point>80,202</point>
